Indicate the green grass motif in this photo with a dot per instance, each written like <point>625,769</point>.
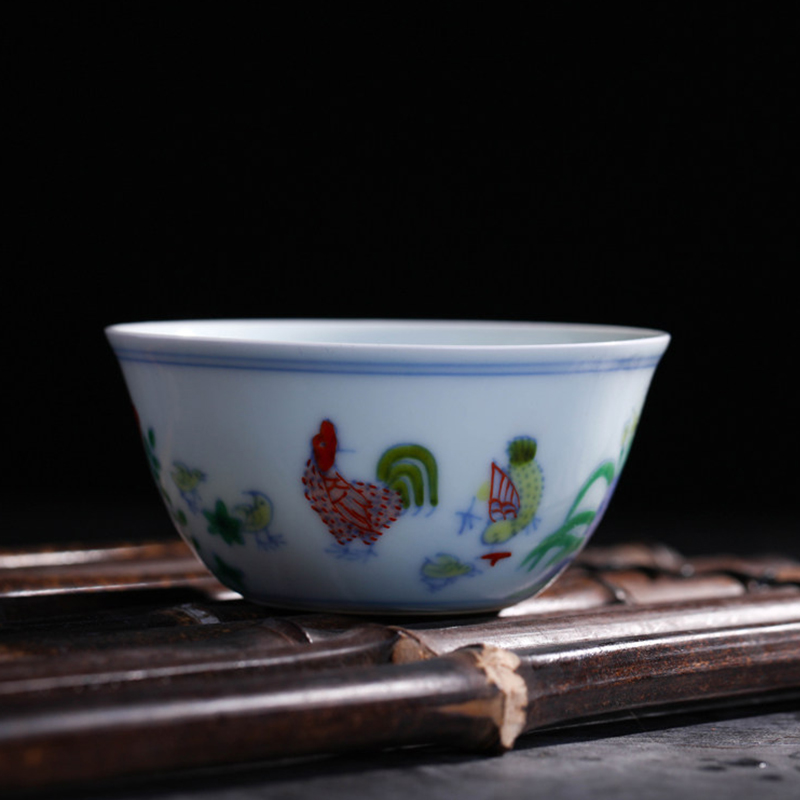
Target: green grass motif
<point>562,541</point>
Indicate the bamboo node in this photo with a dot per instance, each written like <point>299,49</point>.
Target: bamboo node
<point>500,668</point>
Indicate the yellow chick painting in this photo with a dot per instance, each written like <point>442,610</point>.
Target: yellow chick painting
<point>187,480</point>
<point>256,517</point>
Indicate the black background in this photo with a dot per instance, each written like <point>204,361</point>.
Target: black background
<point>178,161</point>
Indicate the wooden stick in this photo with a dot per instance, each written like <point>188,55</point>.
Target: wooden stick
<point>148,687</point>
<point>476,697</point>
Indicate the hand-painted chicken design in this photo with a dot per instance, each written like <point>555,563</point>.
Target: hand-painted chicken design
<point>515,492</point>
<point>357,510</point>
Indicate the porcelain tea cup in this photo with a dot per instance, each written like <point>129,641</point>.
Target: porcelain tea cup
<point>386,466</point>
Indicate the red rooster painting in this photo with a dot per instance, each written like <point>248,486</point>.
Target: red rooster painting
<point>357,510</point>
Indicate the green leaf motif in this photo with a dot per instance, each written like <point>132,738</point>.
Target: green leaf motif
<point>149,442</point>
<point>221,523</point>
<point>445,566</point>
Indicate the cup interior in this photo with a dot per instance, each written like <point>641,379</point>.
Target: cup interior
<point>456,334</point>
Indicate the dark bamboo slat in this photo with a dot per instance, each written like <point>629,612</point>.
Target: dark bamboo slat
<point>158,667</point>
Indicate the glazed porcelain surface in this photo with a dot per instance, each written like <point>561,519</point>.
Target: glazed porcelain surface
<point>378,466</point>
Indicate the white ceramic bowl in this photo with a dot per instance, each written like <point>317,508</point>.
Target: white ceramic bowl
<point>378,466</point>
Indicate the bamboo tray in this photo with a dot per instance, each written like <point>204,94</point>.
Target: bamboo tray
<point>129,659</point>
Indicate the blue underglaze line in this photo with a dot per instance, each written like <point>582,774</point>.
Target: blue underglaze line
<point>388,368</point>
